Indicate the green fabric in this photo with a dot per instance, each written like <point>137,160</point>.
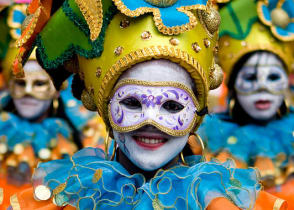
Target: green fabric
<point>67,33</point>
<point>237,18</point>
<point>4,34</point>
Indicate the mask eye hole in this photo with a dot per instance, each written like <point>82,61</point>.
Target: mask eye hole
<point>40,83</point>
<point>131,103</point>
<point>20,83</point>
<point>274,77</point>
<point>172,106</point>
<point>250,77</point>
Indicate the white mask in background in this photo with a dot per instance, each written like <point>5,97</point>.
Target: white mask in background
<point>32,95</point>
<point>160,148</point>
<point>261,85</point>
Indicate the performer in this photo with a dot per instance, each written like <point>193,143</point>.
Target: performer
<point>256,54</point>
<point>148,76</point>
<point>33,124</point>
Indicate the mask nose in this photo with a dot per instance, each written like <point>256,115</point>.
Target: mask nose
<point>28,89</point>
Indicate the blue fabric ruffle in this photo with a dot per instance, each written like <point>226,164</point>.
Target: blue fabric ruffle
<point>251,140</point>
<point>17,130</point>
<point>88,181</point>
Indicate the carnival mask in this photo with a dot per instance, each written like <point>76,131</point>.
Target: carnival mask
<point>152,116</point>
<point>32,95</point>
<point>261,84</point>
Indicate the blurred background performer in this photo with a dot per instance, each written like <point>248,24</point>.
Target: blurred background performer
<point>37,123</point>
<point>256,53</point>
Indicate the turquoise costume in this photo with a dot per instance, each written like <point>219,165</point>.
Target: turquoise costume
<point>274,140</point>
<point>88,181</point>
<point>16,130</point>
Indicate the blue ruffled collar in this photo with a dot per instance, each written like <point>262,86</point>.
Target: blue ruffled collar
<point>88,181</point>
<point>16,130</point>
<point>249,141</point>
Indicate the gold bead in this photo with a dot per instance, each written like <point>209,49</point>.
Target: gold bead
<point>216,77</point>
<point>124,23</point>
<point>118,50</point>
<point>174,41</point>
<point>196,47</point>
<point>206,43</point>
<point>161,3</point>
<point>280,17</point>
<point>146,35</point>
<point>98,72</point>
<point>211,19</point>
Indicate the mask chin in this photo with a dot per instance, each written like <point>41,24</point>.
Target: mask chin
<point>31,108</point>
<point>148,148</point>
<point>261,106</point>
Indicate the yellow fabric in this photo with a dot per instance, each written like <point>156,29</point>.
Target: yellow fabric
<point>259,38</point>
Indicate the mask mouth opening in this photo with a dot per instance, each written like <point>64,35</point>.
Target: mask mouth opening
<point>150,137</point>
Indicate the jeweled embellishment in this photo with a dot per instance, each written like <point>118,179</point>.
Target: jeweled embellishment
<point>118,50</point>
<point>196,47</point>
<point>98,72</point>
<point>174,41</point>
<point>146,35</point>
<point>206,43</point>
<point>124,23</point>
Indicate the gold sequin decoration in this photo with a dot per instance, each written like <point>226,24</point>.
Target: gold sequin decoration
<point>124,23</point>
<point>97,175</point>
<point>4,116</point>
<point>232,140</point>
<point>196,47</point>
<point>59,188</point>
<point>146,35</point>
<point>206,43</point>
<point>156,205</point>
<point>93,14</point>
<point>174,41</point>
<point>118,50</point>
<point>98,72</point>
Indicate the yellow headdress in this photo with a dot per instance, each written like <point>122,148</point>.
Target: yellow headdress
<point>244,29</point>
<point>130,32</point>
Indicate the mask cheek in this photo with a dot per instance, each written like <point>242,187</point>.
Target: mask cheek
<point>149,160</point>
<point>248,103</point>
<point>31,108</point>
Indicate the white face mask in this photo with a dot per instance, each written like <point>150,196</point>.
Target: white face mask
<point>261,85</point>
<point>148,147</point>
<point>32,96</point>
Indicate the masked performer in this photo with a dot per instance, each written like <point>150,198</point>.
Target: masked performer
<point>148,76</point>
<point>33,127</point>
<point>257,55</point>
